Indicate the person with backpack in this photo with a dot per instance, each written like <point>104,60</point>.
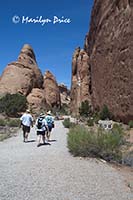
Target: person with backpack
<point>26,123</point>
<point>50,123</point>
<point>42,127</point>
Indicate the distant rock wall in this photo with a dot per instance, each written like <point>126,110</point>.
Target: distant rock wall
<point>108,45</point>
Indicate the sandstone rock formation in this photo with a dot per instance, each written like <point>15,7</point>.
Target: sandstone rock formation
<point>108,45</point>
<point>22,75</point>
<point>51,90</point>
<point>64,94</point>
<point>81,80</point>
<point>36,100</point>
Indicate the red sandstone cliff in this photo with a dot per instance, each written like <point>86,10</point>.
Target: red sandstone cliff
<point>108,45</point>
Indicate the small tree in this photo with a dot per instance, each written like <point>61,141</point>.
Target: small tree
<point>12,104</point>
<point>105,113</point>
<point>85,109</point>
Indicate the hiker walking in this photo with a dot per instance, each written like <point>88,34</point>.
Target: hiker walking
<point>41,126</point>
<point>50,123</point>
<point>26,123</point>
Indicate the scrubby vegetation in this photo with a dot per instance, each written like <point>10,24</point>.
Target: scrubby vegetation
<point>130,124</point>
<point>64,110</point>
<point>100,143</point>
<point>85,109</point>
<point>10,122</point>
<point>8,127</point>
<point>12,104</point>
<point>105,113</point>
<point>3,122</point>
<point>68,124</point>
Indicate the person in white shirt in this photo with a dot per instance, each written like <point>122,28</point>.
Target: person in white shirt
<point>42,128</point>
<point>26,123</point>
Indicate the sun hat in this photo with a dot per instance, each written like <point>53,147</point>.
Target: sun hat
<point>42,115</point>
<point>28,111</point>
<point>49,112</point>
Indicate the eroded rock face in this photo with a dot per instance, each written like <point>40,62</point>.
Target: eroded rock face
<point>109,46</point>
<point>64,94</point>
<point>36,100</point>
<point>51,90</point>
<point>22,75</point>
<point>81,80</point>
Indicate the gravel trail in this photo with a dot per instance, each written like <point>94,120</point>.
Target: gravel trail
<point>50,173</point>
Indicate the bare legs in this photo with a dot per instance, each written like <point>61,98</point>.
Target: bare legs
<point>40,137</point>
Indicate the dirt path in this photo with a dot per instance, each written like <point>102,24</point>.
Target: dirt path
<point>51,173</point>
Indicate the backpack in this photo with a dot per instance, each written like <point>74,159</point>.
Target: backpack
<point>39,122</point>
<point>49,120</point>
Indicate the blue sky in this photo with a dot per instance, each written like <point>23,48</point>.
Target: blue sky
<point>53,44</point>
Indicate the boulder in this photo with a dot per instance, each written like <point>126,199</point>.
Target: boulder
<point>51,90</point>
<point>36,100</point>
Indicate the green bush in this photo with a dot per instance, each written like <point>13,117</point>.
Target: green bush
<point>102,144</point>
<point>2,122</point>
<point>96,117</point>
<point>130,124</point>
<point>85,109</point>
<point>12,104</point>
<point>67,123</point>
<point>105,113</point>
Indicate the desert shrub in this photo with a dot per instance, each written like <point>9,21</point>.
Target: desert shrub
<point>102,144</point>
<point>130,124</point>
<point>12,104</point>
<point>90,122</point>
<point>96,117</point>
<point>64,109</point>
<point>105,113</point>
<point>4,136</point>
<point>14,123</point>
<point>85,109</point>
<point>2,122</point>
<point>67,123</point>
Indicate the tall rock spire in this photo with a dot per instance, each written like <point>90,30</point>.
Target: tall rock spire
<point>22,75</point>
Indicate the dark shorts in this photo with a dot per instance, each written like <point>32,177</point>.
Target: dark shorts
<point>40,132</point>
<point>50,127</point>
<point>26,129</point>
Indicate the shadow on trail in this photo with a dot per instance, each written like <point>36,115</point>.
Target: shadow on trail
<point>30,141</point>
<point>52,140</point>
<point>43,144</point>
